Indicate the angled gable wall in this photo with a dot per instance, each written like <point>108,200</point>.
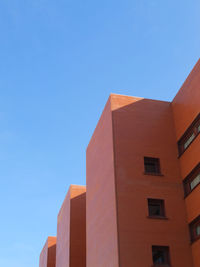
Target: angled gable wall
<point>102,237</point>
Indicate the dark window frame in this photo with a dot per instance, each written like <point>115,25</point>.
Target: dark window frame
<point>190,178</point>
<point>193,129</point>
<point>166,251</point>
<point>193,227</point>
<point>158,202</point>
<point>155,162</point>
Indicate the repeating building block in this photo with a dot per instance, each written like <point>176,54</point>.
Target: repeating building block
<point>48,253</point>
<point>71,229</point>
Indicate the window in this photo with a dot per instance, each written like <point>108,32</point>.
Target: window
<point>190,134</point>
<point>151,165</point>
<point>198,128</point>
<point>198,230</point>
<point>156,207</point>
<point>160,255</point>
<point>192,180</point>
<point>195,229</point>
<point>195,182</point>
<point>188,141</point>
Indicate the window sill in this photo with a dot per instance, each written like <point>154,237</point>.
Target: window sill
<point>158,217</point>
<point>161,265</point>
<point>153,174</point>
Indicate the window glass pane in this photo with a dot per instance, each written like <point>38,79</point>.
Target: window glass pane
<point>198,230</point>
<point>189,140</point>
<point>151,167</point>
<point>154,209</point>
<point>195,229</point>
<point>158,256</point>
<point>189,135</point>
<point>195,182</point>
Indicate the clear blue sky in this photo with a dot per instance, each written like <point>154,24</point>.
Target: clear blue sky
<point>59,61</point>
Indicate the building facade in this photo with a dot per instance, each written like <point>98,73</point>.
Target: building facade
<point>142,206</point>
<point>48,253</point>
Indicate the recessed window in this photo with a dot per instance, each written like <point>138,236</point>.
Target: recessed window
<point>156,207</point>
<point>160,255</point>
<point>188,141</point>
<point>198,230</point>
<point>195,229</point>
<point>198,129</point>
<point>151,165</point>
<point>190,134</point>
<point>195,182</point>
<point>192,180</point>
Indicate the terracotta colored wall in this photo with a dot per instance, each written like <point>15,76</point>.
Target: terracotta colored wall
<point>119,232</point>
<point>195,252</point>
<point>71,229</point>
<point>192,202</point>
<point>186,106</point>
<point>44,255</point>
<point>186,102</point>
<point>48,254</point>
<point>145,128</point>
<point>63,234</point>
<point>102,241</point>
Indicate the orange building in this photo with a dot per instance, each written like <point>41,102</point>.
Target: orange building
<point>48,253</point>
<point>143,185</point>
<point>186,114</point>
<point>71,229</point>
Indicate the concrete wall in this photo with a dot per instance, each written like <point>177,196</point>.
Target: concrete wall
<point>71,229</point>
<point>102,237</point>
<point>186,106</point>
<point>48,253</point>
<point>145,128</point>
